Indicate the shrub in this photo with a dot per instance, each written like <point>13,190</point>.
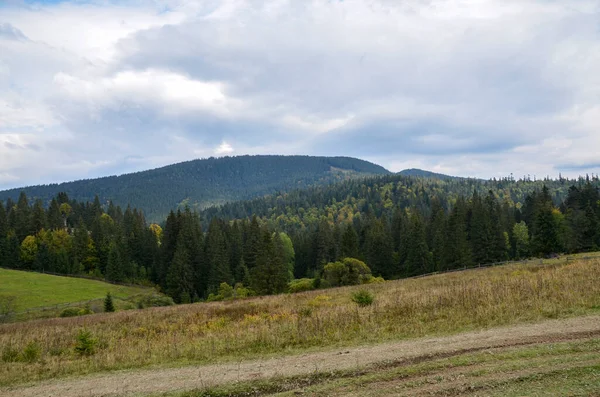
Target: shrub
<point>301,285</point>
<point>86,344</point>
<point>373,280</point>
<point>227,292</point>
<point>31,352</point>
<point>10,354</point>
<point>155,301</point>
<point>242,292</point>
<point>363,298</point>
<point>86,310</point>
<point>109,305</point>
<point>70,312</point>
<point>348,271</point>
<point>305,312</point>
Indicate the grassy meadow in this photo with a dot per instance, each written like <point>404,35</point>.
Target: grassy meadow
<point>35,290</point>
<point>292,323</point>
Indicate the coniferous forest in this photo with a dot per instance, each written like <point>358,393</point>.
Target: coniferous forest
<point>205,182</point>
<point>399,226</point>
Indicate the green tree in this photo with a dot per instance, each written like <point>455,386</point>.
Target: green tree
<point>350,243</point>
<point>180,278</point>
<point>114,267</point>
<point>418,257</point>
<point>520,234</point>
<point>109,305</point>
<point>270,275</point>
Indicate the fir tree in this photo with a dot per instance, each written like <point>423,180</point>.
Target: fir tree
<point>349,247</point>
<point>114,267</point>
<point>109,306</point>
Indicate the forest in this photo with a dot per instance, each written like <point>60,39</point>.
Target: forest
<point>399,226</point>
<point>205,182</point>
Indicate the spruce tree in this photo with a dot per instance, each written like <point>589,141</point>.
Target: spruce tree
<point>380,250</point>
<point>114,267</point>
<point>349,243</point>
<point>217,256</point>
<point>418,257</point>
<point>270,275</point>
<point>180,277</point>
<point>109,305</point>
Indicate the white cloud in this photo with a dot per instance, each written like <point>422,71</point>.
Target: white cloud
<point>224,148</point>
<point>473,87</point>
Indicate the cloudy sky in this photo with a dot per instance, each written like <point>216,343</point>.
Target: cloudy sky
<point>466,87</point>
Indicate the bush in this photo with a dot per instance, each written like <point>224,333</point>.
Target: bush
<point>31,352</point>
<point>227,292</point>
<point>301,285</point>
<point>10,354</point>
<point>348,271</point>
<point>70,312</point>
<point>86,310</point>
<point>363,298</point>
<point>155,301</point>
<point>86,344</point>
<point>373,280</point>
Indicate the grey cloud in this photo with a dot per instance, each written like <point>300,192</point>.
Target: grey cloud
<point>8,31</point>
<point>388,80</point>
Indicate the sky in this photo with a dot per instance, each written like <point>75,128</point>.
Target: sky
<point>481,88</point>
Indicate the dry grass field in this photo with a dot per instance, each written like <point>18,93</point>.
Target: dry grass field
<point>285,324</point>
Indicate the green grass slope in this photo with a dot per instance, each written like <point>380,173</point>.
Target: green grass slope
<point>35,290</point>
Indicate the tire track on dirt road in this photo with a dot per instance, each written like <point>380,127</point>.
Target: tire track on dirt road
<point>146,381</point>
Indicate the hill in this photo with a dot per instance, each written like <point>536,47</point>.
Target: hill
<point>443,322</point>
<point>202,183</point>
<point>426,174</point>
<point>37,290</point>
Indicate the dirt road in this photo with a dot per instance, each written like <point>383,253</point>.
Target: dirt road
<point>140,382</point>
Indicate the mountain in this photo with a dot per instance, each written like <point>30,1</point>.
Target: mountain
<point>426,174</point>
<point>203,183</point>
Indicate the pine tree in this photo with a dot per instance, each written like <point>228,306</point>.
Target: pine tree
<point>114,267</point>
<point>38,217</point>
<point>54,218</point>
<point>22,218</point>
<point>418,257</point>
<point>218,257</point>
<point>251,243</point>
<point>180,277</point>
<point>349,243</point>
<point>270,275</point>
<point>379,250</point>
<point>109,305</point>
<point>323,246</point>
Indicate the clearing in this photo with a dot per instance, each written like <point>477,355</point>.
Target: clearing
<point>35,290</point>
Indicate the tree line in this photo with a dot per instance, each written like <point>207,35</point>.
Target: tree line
<point>192,254</point>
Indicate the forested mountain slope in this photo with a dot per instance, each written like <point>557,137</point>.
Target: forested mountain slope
<point>426,174</point>
<point>202,183</point>
<point>379,196</point>
<point>398,226</point>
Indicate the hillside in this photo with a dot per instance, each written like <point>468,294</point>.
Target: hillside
<point>202,183</point>
<point>425,174</point>
<point>320,334</point>
<point>34,291</point>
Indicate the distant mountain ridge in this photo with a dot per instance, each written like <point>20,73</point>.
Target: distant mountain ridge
<point>427,174</point>
<point>205,182</point>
